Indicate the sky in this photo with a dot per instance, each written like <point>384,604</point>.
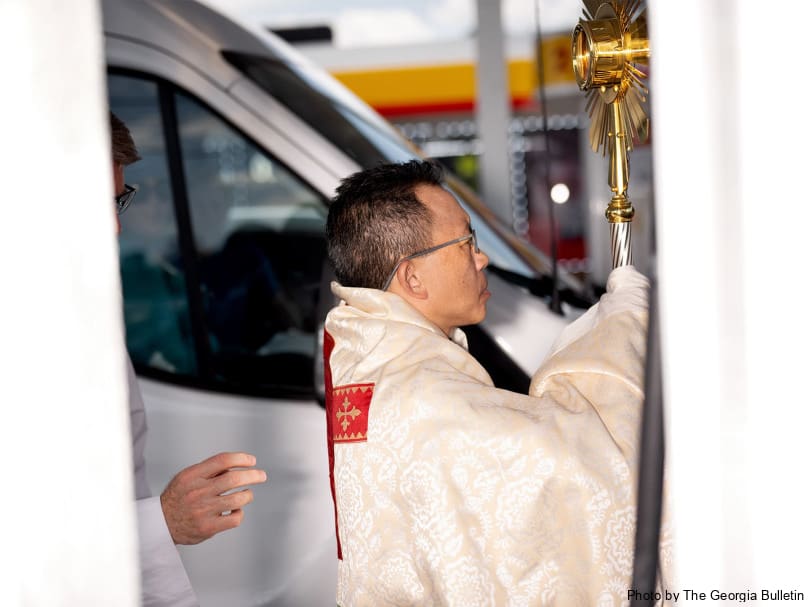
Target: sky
<point>357,23</point>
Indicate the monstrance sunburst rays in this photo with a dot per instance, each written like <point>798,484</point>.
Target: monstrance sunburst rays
<point>609,45</point>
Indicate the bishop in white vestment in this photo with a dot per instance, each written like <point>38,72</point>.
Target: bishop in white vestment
<point>447,490</point>
<point>450,491</point>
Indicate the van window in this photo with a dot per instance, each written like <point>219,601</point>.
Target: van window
<point>222,251</point>
<point>156,315</point>
<point>259,233</point>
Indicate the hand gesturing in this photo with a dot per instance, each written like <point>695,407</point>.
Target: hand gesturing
<point>196,503</point>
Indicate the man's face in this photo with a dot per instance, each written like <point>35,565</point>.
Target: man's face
<point>453,275</point>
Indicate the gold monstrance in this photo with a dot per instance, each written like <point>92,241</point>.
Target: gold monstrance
<point>609,44</point>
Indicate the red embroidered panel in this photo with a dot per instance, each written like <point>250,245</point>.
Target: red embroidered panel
<point>328,346</point>
<point>350,405</point>
<point>346,419</point>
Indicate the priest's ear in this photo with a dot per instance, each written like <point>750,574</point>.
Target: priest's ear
<point>407,282</point>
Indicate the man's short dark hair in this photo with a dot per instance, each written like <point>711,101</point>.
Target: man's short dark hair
<point>376,219</point>
<point>124,151</point>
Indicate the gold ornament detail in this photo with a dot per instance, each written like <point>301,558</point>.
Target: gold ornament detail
<point>348,410</point>
<point>610,45</point>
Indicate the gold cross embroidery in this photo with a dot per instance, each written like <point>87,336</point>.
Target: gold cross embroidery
<point>353,413</point>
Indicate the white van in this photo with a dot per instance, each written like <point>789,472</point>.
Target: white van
<point>225,278</point>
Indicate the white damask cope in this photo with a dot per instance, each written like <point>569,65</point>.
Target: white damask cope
<point>464,494</point>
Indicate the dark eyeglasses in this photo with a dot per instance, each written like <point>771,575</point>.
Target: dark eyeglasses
<point>122,200</point>
<point>471,236</point>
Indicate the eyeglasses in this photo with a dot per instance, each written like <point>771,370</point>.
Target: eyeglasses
<point>122,200</point>
<point>471,236</point>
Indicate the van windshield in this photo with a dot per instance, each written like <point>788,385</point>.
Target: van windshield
<point>350,125</point>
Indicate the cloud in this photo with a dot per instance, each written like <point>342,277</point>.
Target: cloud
<point>519,16</point>
<point>380,27</point>
<point>453,18</point>
<point>389,22</point>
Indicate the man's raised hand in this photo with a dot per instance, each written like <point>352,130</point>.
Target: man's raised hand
<point>193,502</point>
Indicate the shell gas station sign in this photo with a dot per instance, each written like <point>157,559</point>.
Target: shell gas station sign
<point>450,87</point>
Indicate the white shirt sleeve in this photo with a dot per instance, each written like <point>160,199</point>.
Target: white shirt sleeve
<point>163,577</point>
<point>137,423</point>
<point>164,580</point>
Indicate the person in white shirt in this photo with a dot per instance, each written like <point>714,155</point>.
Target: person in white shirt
<point>190,509</point>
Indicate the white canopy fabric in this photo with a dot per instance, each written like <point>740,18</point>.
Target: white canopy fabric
<point>66,499</point>
<point>729,136</point>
